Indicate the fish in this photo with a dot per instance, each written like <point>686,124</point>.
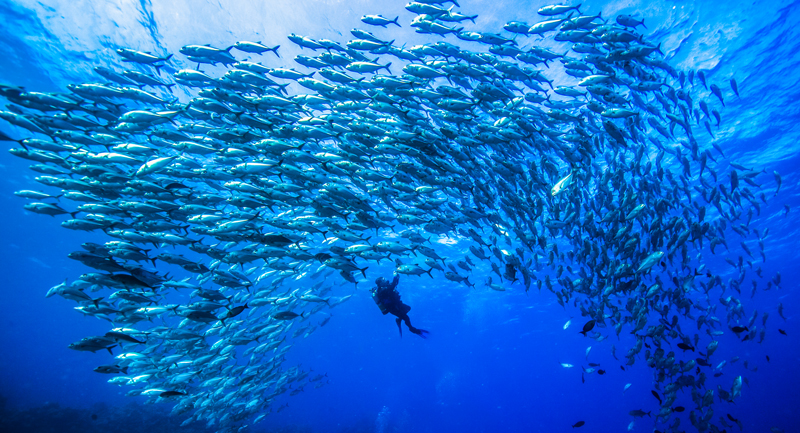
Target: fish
<point>233,312</point>
<point>578,424</point>
<point>650,261</point>
<point>588,326</point>
<point>561,184</point>
<point>93,344</point>
<point>141,57</point>
<point>629,21</point>
<point>36,195</point>
<point>257,189</point>
<point>717,92</point>
<point>557,9</point>
<point>655,394</point>
<point>685,347</point>
<point>285,315</point>
<point>377,20</point>
<point>255,47</point>
<point>111,369</point>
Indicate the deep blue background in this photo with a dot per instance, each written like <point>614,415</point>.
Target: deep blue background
<point>492,362</point>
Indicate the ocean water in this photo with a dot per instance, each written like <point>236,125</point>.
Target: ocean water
<point>492,362</point>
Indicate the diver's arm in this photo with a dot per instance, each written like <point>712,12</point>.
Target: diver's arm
<point>395,281</point>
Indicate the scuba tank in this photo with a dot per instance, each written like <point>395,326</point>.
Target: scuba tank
<point>384,308</point>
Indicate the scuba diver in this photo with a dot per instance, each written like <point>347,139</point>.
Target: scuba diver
<point>388,300</point>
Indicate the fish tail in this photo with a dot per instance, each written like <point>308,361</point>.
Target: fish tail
<point>394,21</point>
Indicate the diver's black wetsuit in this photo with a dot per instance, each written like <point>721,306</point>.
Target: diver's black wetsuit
<point>388,300</point>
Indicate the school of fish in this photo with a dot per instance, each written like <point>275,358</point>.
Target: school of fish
<point>587,170</point>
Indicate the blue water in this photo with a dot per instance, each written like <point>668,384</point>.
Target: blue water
<point>492,362</point>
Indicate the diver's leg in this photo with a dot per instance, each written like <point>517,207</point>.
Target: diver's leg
<point>408,323</point>
<point>399,328</point>
<point>420,332</point>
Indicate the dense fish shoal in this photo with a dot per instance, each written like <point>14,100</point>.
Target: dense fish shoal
<point>566,155</point>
